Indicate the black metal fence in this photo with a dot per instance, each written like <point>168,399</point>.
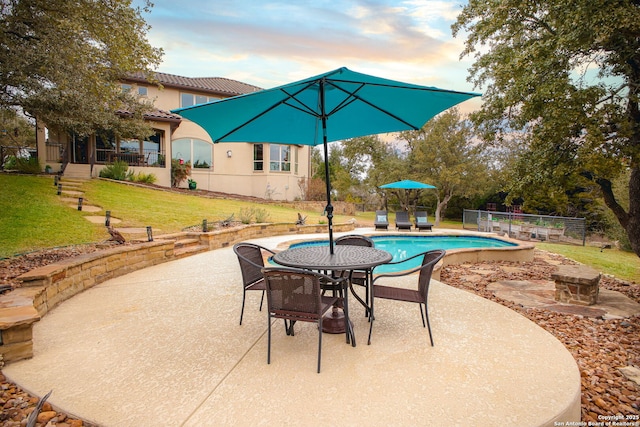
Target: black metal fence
<point>527,226</point>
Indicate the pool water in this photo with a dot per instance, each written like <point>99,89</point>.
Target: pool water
<point>403,247</point>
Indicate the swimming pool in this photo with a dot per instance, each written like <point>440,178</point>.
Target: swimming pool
<point>403,247</point>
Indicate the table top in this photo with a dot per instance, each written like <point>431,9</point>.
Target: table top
<point>345,257</point>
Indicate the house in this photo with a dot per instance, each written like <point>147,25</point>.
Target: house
<point>271,171</point>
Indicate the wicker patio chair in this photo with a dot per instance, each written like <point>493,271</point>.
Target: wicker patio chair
<point>358,277</point>
<point>402,221</point>
<point>251,259</point>
<point>381,221</point>
<point>419,295</point>
<point>296,295</point>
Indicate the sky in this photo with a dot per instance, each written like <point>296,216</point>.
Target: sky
<point>270,43</point>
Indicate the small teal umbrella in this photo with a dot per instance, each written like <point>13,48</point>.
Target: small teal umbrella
<point>329,107</point>
<point>407,184</point>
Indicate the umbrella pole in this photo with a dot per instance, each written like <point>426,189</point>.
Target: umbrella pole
<point>329,207</point>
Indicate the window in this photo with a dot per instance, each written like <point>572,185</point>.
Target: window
<point>189,99</point>
<point>129,146</point>
<point>142,91</point>
<point>152,149</point>
<point>258,157</point>
<point>196,151</point>
<point>181,149</point>
<point>280,158</point>
<point>201,154</point>
<point>125,87</point>
<point>149,152</point>
<point>295,156</point>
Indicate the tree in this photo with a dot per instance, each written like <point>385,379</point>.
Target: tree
<point>565,73</point>
<point>61,61</point>
<point>378,162</point>
<point>442,154</point>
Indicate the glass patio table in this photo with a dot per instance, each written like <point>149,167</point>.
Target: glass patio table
<point>345,257</point>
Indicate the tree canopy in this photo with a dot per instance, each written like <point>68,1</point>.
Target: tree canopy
<point>443,154</point>
<point>566,75</point>
<point>61,61</point>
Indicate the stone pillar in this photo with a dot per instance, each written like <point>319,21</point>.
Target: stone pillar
<point>576,284</point>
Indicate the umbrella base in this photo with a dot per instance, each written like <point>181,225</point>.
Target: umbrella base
<point>334,323</point>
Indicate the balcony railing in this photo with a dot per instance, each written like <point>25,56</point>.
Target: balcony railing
<point>133,158</point>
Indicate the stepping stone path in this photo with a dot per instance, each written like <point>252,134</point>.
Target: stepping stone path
<point>72,191</point>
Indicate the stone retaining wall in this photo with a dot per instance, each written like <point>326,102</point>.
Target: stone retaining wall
<point>45,287</point>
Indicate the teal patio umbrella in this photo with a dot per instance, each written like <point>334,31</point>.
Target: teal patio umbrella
<point>333,106</point>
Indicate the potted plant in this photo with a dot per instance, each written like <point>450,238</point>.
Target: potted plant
<point>192,184</point>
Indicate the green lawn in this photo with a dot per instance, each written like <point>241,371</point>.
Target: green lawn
<point>33,216</point>
<point>624,265</point>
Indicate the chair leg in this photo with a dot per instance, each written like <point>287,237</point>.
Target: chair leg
<point>244,295</point>
<point>422,315</point>
<point>319,343</point>
<point>269,340</point>
<point>426,312</point>
<point>290,330</point>
<point>262,299</point>
<point>351,336</point>
<point>371,319</point>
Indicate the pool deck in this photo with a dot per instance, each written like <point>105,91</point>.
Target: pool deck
<point>162,346</point>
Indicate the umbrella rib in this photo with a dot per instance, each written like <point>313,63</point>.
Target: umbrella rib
<point>265,111</point>
<point>356,97</point>
<point>421,89</point>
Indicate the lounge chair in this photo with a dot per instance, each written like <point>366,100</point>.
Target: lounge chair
<point>402,221</point>
<point>422,222</point>
<point>382,221</point>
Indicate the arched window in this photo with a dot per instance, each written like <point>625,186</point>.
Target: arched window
<point>196,151</point>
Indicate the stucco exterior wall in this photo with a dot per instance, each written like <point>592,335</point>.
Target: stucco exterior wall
<point>232,168</point>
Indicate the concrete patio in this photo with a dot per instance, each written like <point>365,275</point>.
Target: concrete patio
<point>162,347</point>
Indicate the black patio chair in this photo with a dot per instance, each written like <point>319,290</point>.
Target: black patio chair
<point>296,295</point>
<point>251,259</point>
<point>419,295</point>
<point>358,277</point>
<point>381,221</point>
<point>402,220</point>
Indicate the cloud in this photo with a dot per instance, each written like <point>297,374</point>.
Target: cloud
<point>271,43</point>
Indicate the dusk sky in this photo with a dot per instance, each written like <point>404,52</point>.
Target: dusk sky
<point>269,43</point>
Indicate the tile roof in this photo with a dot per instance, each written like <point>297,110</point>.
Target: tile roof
<point>158,115</point>
<point>214,85</point>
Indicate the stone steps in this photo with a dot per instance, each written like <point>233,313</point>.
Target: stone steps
<point>188,246</point>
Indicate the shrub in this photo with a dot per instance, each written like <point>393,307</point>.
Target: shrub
<point>246,214</point>
<point>179,172</point>
<point>147,178</point>
<point>261,215</point>
<point>116,170</point>
<point>29,165</point>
